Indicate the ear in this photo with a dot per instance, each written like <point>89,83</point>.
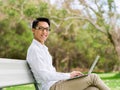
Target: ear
<point>33,30</point>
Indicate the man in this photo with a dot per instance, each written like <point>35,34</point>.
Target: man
<point>47,77</point>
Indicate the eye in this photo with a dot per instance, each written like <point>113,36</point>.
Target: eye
<point>42,28</point>
<point>39,28</point>
<point>47,29</point>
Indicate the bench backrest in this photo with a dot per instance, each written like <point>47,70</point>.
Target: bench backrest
<point>14,72</point>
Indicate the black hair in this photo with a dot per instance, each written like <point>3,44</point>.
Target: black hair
<point>40,19</point>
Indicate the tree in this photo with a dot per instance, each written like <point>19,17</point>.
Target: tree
<point>105,21</point>
<point>73,41</point>
<point>102,15</point>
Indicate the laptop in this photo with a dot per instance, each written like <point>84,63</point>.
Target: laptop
<point>90,70</point>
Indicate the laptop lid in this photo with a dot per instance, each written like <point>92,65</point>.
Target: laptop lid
<point>90,71</point>
<point>93,64</point>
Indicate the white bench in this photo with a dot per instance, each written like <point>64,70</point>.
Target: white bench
<point>15,72</point>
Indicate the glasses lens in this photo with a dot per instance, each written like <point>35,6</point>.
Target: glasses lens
<point>42,28</point>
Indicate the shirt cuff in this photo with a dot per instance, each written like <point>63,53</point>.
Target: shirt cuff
<point>67,75</point>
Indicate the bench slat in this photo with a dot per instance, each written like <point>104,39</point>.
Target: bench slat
<point>14,72</point>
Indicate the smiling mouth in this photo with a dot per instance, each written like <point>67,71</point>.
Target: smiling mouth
<point>44,36</point>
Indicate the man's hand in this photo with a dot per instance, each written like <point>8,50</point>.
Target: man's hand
<point>75,73</point>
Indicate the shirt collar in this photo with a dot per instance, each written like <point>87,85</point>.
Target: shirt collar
<point>39,44</point>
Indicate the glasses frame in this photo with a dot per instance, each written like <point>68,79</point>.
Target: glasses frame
<point>41,28</point>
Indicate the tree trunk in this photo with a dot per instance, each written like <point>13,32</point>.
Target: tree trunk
<point>117,66</point>
<point>116,42</point>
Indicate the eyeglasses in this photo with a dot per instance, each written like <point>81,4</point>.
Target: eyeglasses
<point>42,28</point>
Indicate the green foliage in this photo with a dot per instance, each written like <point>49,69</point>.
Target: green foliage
<point>91,43</point>
<point>72,43</point>
<point>13,39</point>
<point>30,10</point>
<point>43,9</point>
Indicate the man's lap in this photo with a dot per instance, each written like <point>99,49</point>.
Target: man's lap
<point>74,84</point>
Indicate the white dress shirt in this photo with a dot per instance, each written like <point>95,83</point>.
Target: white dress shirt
<point>40,61</point>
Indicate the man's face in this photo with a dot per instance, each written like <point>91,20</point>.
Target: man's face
<point>41,32</point>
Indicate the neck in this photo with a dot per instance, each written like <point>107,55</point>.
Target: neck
<point>39,41</point>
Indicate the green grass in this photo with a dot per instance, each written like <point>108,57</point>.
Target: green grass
<point>111,79</point>
<point>23,87</point>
